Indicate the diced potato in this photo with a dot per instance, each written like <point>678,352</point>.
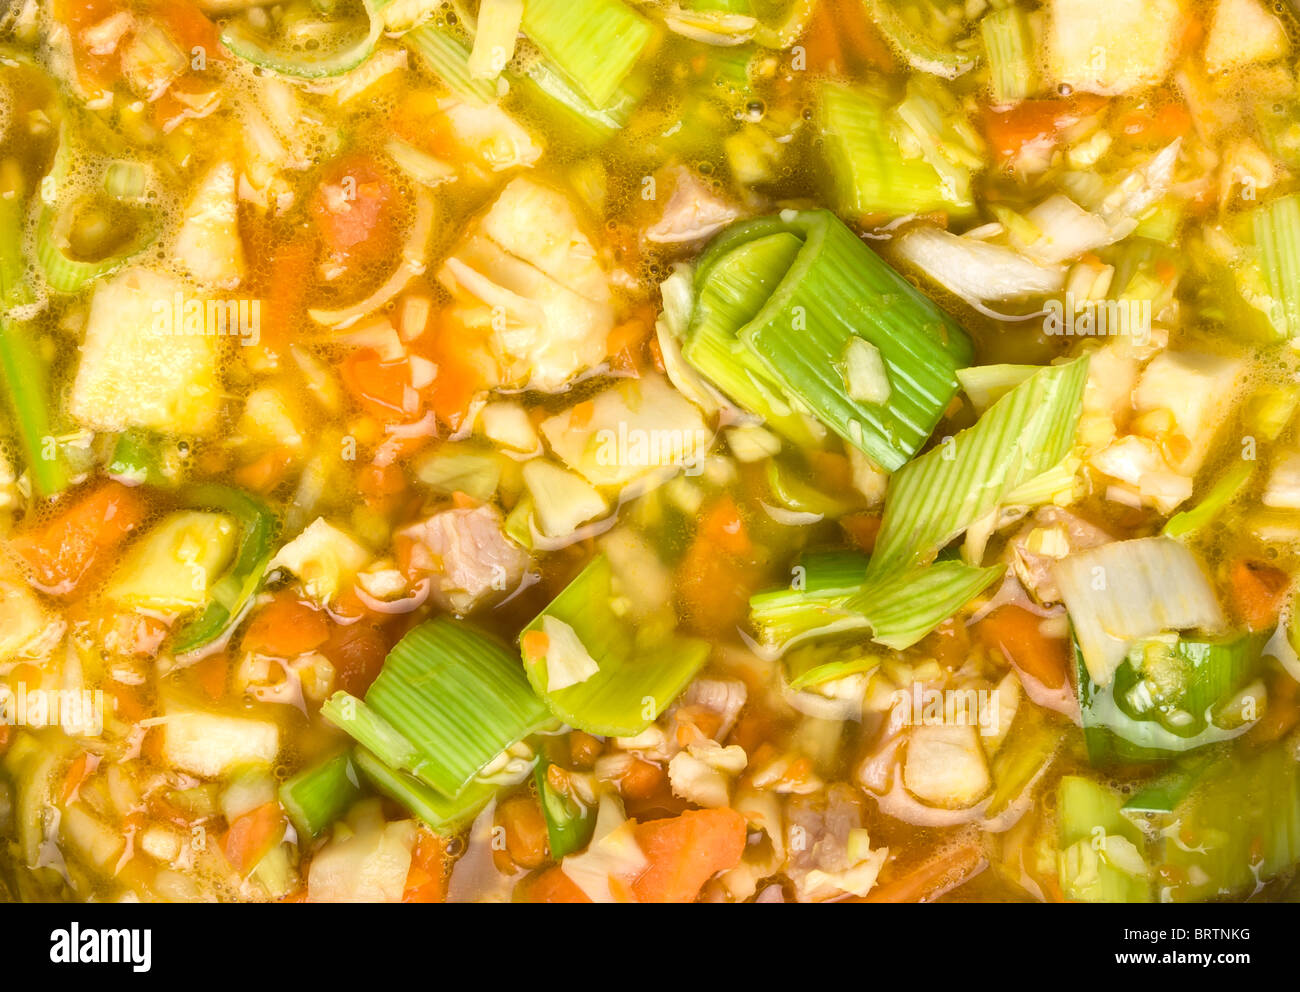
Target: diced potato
<point>492,136</point>
<point>208,244</point>
<point>508,425</point>
<point>368,863</point>
<point>628,431</point>
<point>172,568</point>
<point>324,558</point>
<point>28,631</point>
<point>1195,387</point>
<point>1140,463</point>
<point>528,279</point>
<point>945,766</point>
<point>1243,32</point>
<point>1113,46</point>
<point>1283,489</point>
<point>211,744</point>
<point>562,500</point>
<point>272,418</point>
<point>137,369</point>
<point>90,836</point>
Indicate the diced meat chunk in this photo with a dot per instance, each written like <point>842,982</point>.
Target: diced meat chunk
<point>467,555</point>
<point>693,212</point>
<point>1051,534</point>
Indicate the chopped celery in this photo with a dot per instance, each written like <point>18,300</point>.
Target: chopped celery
<point>319,794</point>
<point>1010,49</point>
<point>595,43</point>
<point>986,384</point>
<point>443,816</point>
<point>1100,857</point>
<point>578,120</point>
<point>1223,492</point>
<point>870,174</point>
<point>938,495</point>
<point>370,730</point>
<point>935,121</point>
<point>1164,792</point>
<point>901,608</point>
<point>1277,239</point>
<point>641,666</point>
<point>231,595</point>
<point>1239,827</point>
<point>448,58</point>
<point>781,298</point>
<point>495,36</point>
<point>457,696</point>
<point>812,604</point>
<point>569,824</point>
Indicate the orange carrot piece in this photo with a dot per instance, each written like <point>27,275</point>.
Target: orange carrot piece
<point>932,879</point>
<point>553,886</point>
<point>1257,592</point>
<point>64,551</point>
<point>250,836</point>
<point>287,627</point>
<point>862,529</point>
<point>426,881</point>
<point>686,851</point>
<point>1018,634</point>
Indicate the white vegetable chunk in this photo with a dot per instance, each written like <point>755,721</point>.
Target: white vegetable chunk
<point>324,558</point>
<point>208,244</point>
<point>211,745</point>
<point>1241,33</point>
<point>945,766</point>
<point>138,368</point>
<point>1113,46</point>
<point>1198,389</point>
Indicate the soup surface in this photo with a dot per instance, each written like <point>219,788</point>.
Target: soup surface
<point>584,450</point>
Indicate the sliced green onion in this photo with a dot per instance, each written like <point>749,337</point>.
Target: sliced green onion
<point>22,372</point>
<point>791,330</point>
<point>320,794</point>
<point>448,58</point>
<point>1277,239</point>
<point>1162,700</point>
<point>870,175</point>
<point>1009,48</point>
<point>444,816</point>
<point>901,608</point>
<point>1239,827</point>
<point>250,46</point>
<point>1223,492</point>
<point>813,604</point>
<point>923,32</point>
<point>935,498</point>
<point>127,180</point>
<point>138,459</point>
<point>569,824</point>
<point>53,225</point>
<point>594,43</point>
<point>459,697</point>
<point>234,591</point>
<point>640,670</point>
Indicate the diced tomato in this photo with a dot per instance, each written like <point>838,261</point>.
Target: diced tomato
<point>357,651</point>
<point>553,886</point>
<point>64,551</point>
<point>1018,635</point>
<point>287,627</point>
<point>211,673</point>
<point>465,367</point>
<point>290,276</point>
<point>1008,131</point>
<point>354,210</point>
